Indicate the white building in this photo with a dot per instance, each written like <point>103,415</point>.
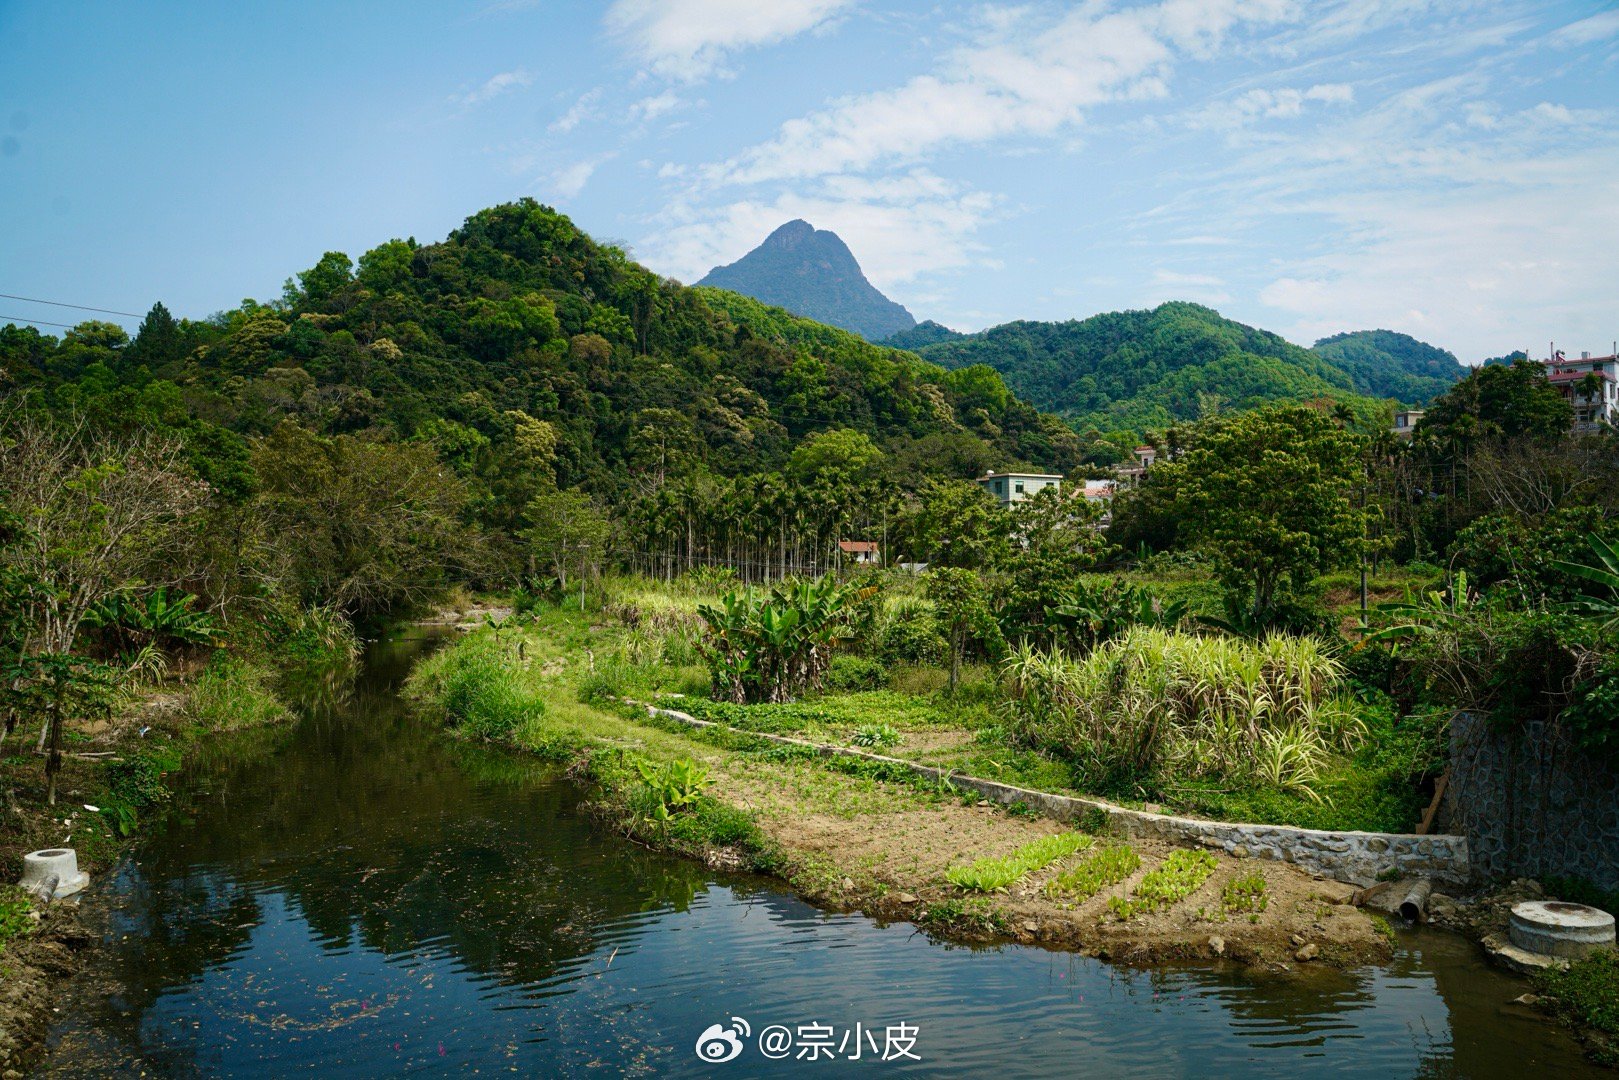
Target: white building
<point>1009,488</point>
<point>1591,385</point>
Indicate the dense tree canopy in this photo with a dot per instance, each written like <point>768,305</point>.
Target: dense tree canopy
<point>1387,364</point>
<point>1269,497</point>
<point>1497,401</point>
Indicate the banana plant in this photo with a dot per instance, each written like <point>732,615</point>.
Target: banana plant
<point>774,645</point>
<point>1419,616</point>
<point>1605,573</point>
<point>160,617</point>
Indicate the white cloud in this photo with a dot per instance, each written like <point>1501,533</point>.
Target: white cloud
<point>650,108</point>
<point>691,39</point>
<point>1280,104</point>
<point>494,87</point>
<point>1480,275</point>
<point>1023,74</point>
<point>1604,24</point>
<point>1478,244</point>
<point>580,111</point>
<point>568,181</point>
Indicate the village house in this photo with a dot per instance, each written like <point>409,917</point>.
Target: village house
<point>1591,385</point>
<point>1009,488</point>
<point>860,552</point>
<point>1405,423</point>
<point>1130,475</point>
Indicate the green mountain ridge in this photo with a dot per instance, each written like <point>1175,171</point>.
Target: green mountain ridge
<point>922,334</point>
<point>517,317</point>
<point>1132,371</point>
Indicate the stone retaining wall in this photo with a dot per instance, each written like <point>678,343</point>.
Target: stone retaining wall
<point>1532,804</point>
<point>1356,857</point>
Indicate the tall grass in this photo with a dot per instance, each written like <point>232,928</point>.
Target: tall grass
<point>234,693</point>
<point>317,638</point>
<point>481,686</point>
<point>1164,704</point>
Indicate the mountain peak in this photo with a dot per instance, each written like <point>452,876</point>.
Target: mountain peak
<point>811,272</point>
<point>793,232</point>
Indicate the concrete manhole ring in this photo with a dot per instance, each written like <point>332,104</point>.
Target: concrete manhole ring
<point>1558,928</point>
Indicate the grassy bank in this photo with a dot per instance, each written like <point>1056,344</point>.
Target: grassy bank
<point>845,832</point>
<point>1585,996</point>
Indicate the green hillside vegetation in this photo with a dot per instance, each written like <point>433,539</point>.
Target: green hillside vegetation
<point>1133,371</point>
<point>1386,364</point>
<point>527,358</point>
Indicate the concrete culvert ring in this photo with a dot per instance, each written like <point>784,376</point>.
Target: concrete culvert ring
<point>1561,929</point>
<point>38,867</point>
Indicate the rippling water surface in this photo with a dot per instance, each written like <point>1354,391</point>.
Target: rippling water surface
<point>357,896</point>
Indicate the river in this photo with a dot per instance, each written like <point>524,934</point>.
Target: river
<point>357,895</point>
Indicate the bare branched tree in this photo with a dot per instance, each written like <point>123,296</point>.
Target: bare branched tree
<point>98,513</point>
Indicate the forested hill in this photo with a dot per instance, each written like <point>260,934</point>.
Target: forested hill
<point>1128,371</point>
<point>518,317</point>
<point>923,333</point>
<point>811,272</point>
<point>1384,363</point>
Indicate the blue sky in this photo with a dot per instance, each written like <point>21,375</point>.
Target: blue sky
<point>1450,170</point>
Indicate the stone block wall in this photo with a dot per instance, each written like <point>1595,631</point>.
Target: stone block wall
<point>1532,804</point>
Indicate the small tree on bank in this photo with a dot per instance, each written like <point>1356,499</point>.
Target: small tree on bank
<point>963,608</point>
<point>568,534</point>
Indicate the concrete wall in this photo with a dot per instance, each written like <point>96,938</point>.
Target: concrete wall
<point>1357,857</point>
<point>1531,804</point>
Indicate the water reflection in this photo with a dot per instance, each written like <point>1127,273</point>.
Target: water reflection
<point>354,896</point>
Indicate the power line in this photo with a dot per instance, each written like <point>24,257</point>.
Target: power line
<point>41,322</point>
<point>80,307</point>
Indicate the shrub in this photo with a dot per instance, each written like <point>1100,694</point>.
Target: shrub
<point>317,638</point>
<point>135,784</point>
<point>1586,995</point>
<point>875,735</point>
<point>14,920</point>
<point>672,787</point>
<point>996,874</point>
<point>908,633</point>
<point>847,674</point>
